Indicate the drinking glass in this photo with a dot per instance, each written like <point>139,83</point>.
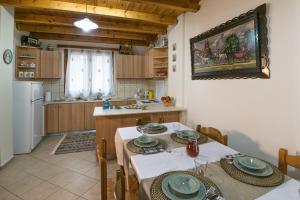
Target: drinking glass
<point>169,147</point>
<point>200,166</point>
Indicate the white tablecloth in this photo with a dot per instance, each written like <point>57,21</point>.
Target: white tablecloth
<point>288,191</point>
<point>131,132</point>
<point>148,166</point>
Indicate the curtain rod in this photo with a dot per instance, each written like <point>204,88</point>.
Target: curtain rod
<point>85,47</point>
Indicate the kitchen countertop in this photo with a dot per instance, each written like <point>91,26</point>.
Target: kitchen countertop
<point>151,109</point>
<point>86,101</point>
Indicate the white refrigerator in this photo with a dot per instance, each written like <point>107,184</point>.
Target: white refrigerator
<point>28,115</point>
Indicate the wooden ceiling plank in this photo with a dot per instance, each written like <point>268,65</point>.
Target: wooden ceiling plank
<point>97,10</point>
<point>106,25</point>
<point>179,5</point>
<point>64,37</point>
<point>77,31</point>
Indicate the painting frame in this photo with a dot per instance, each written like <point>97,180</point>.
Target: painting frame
<point>261,60</point>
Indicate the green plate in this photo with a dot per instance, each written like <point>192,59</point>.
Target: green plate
<point>144,139</point>
<point>200,195</point>
<point>251,163</point>
<point>183,183</point>
<point>260,173</point>
<point>154,126</point>
<point>185,134</point>
<point>154,143</point>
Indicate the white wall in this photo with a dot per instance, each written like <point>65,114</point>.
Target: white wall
<point>260,116</point>
<point>6,77</point>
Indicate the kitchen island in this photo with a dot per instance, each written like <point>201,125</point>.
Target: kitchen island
<point>107,121</point>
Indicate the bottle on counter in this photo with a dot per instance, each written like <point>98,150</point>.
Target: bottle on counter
<point>106,104</point>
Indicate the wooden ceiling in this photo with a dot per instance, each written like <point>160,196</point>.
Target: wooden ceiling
<point>136,22</point>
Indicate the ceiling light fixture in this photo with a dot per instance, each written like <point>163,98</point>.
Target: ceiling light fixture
<point>86,24</point>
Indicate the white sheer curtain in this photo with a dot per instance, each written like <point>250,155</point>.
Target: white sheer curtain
<point>88,73</point>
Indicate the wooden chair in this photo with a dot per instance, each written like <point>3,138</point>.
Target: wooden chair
<point>101,154</point>
<point>142,121</point>
<point>120,185</point>
<point>284,160</point>
<point>213,133</point>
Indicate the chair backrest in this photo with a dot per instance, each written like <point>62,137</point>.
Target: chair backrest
<point>284,160</point>
<point>214,134</point>
<point>120,184</point>
<point>101,154</point>
<point>143,121</point>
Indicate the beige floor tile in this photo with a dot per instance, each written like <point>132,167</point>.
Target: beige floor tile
<point>81,185</point>
<point>5,195</point>
<point>62,195</point>
<point>49,172</point>
<point>10,177</point>
<point>93,173</point>
<point>80,198</point>
<point>24,185</point>
<point>93,193</point>
<point>64,178</point>
<point>40,192</point>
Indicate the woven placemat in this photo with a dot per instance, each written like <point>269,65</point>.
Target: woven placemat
<point>202,139</point>
<point>138,150</point>
<point>157,193</point>
<point>164,129</point>
<point>275,179</point>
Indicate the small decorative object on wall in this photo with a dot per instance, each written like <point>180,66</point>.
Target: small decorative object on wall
<point>174,46</point>
<point>235,49</point>
<point>174,68</point>
<point>7,56</point>
<point>174,57</point>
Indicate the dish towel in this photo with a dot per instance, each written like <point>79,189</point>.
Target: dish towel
<point>288,191</point>
<point>148,166</point>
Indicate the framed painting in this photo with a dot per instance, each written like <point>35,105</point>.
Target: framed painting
<point>235,49</point>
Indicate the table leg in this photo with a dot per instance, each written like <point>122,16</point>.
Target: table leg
<point>126,170</point>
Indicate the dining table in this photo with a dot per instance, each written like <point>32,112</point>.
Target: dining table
<point>147,167</point>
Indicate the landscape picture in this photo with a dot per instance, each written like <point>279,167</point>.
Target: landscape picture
<point>234,49</point>
<point>229,50</point>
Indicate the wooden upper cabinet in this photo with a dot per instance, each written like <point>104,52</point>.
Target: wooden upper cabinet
<point>138,66</point>
<point>129,66</point>
<point>50,64</point>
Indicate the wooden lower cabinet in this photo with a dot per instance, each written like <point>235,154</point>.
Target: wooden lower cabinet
<point>65,117</point>
<point>77,118</point>
<point>51,118</point>
<point>106,126</point>
<point>89,119</point>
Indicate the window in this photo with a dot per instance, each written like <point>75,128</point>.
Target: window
<point>88,73</point>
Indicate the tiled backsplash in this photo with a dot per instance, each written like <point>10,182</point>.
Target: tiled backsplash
<point>123,88</point>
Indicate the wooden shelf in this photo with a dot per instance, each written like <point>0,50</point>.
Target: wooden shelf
<point>29,57</point>
<point>160,57</point>
<point>26,67</point>
<point>29,47</point>
<point>161,67</point>
<point>160,77</point>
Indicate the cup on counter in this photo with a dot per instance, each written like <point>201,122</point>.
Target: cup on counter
<point>21,74</point>
<point>26,75</point>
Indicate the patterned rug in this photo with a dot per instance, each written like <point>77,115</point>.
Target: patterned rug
<point>77,142</point>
